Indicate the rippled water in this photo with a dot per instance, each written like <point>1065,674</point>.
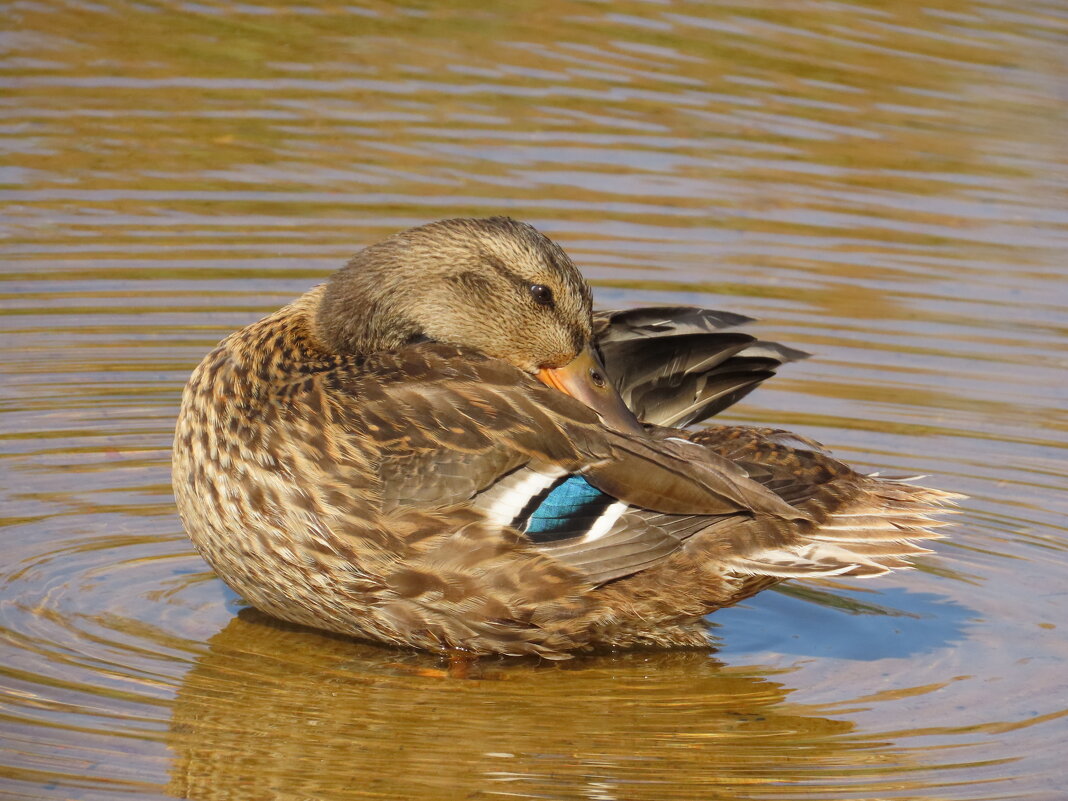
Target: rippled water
<point>885,185</point>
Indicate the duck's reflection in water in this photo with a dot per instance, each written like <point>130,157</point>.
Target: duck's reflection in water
<point>278,712</point>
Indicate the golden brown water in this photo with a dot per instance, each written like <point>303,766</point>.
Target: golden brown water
<point>885,185</point>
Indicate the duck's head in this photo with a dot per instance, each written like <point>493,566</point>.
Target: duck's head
<point>495,285</point>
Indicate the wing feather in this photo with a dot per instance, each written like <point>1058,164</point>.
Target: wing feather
<point>473,430</point>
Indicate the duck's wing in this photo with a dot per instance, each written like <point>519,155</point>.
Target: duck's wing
<point>447,424</point>
<point>674,366</point>
<point>858,525</point>
<point>455,428</point>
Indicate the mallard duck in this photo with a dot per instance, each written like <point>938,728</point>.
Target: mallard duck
<point>444,447</point>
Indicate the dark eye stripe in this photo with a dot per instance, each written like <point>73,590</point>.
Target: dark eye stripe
<point>542,295</point>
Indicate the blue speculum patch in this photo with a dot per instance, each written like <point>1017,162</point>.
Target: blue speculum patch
<point>567,509</point>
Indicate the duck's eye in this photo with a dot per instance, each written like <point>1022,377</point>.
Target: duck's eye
<point>542,295</point>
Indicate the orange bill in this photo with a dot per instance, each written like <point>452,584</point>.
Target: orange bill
<point>584,379</point>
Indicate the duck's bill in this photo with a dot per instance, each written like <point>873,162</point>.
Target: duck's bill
<point>585,379</point>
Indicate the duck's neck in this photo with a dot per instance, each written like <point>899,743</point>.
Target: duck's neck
<point>364,310</point>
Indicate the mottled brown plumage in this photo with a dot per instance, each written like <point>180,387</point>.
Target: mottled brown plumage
<point>366,459</point>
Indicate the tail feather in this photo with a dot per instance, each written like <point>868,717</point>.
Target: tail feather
<point>868,536</point>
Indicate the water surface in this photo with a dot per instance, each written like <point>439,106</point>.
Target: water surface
<point>885,185</point>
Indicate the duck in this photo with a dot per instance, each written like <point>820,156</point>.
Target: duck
<point>444,447</point>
